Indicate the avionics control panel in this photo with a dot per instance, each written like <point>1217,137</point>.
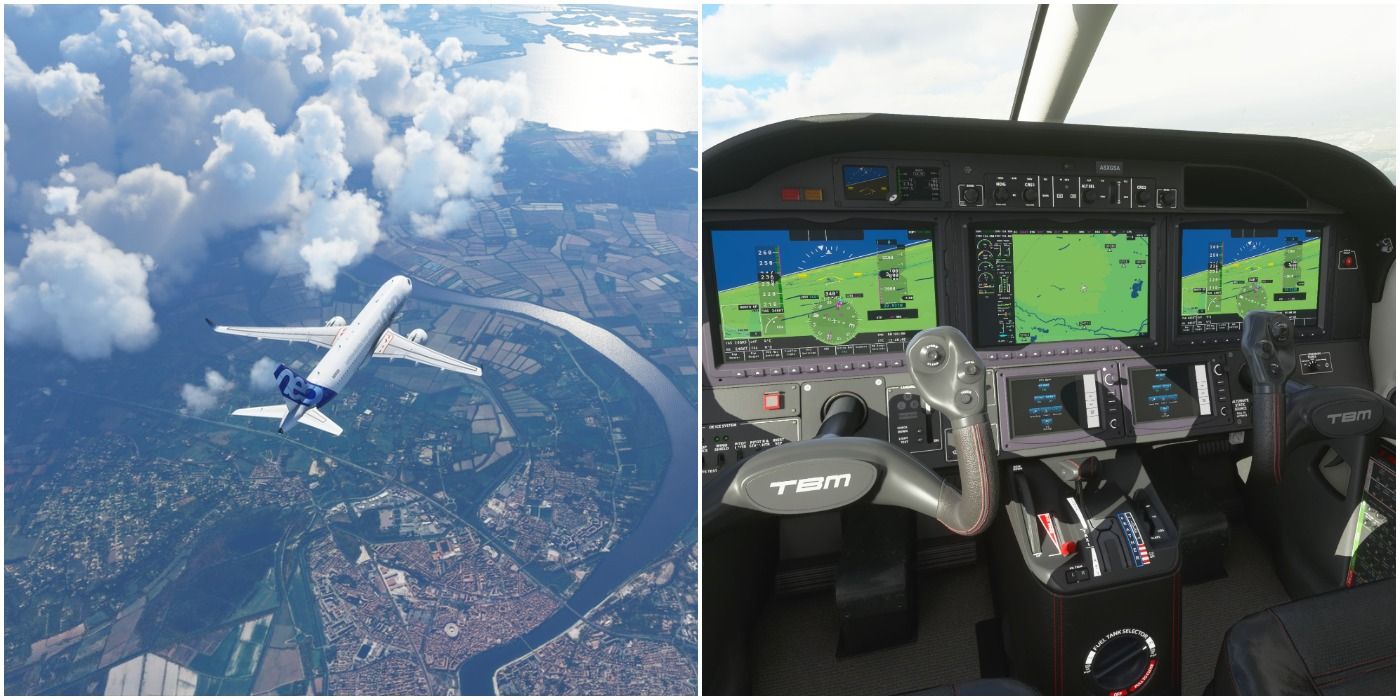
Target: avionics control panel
<point>1101,273</point>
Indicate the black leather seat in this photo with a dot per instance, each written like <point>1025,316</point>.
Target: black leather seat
<point>1337,643</point>
<point>983,686</point>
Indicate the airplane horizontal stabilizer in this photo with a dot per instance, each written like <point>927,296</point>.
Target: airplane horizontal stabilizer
<point>313,417</point>
<point>316,419</point>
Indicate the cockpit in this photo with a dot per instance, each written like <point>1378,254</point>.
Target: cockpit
<point>1030,407</point>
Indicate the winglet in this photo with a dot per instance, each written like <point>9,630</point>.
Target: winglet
<point>211,323</point>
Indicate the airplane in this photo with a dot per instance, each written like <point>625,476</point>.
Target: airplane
<point>350,346</point>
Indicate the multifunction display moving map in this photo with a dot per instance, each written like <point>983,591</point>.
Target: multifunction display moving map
<point>810,293</point>
<point>1228,272</point>
<point>1045,285</point>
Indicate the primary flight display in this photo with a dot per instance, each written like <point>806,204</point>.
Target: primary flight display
<point>1228,272</point>
<point>1047,285</point>
<point>812,293</point>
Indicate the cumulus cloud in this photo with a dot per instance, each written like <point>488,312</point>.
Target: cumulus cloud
<point>260,376</point>
<point>165,121</point>
<point>449,52</point>
<point>330,235</point>
<point>134,30</point>
<point>76,291</point>
<point>200,398</point>
<point>251,175</point>
<point>181,125</point>
<point>148,210</point>
<point>61,201</point>
<point>264,44</point>
<point>428,177</point>
<point>60,89</point>
<point>320,149</point>
<point>629,148</point>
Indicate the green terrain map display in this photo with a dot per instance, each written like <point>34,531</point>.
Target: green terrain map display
<point>1255,283</point>
<point>1079,287</point>
<point>832,303</point>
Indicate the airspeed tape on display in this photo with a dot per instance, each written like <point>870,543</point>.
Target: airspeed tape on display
<point>1122,661</point>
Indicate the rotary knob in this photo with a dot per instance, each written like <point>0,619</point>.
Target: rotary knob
<point>1001,194</point>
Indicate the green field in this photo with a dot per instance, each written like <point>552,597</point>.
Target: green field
<point>831,303</point>
<point>1080,287</point>
<point>1250,284</point>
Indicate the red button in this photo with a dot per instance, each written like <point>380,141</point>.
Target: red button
<point>773,401</point>
<point>792,194</point>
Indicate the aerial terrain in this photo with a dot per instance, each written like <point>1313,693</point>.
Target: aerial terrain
<point>529,531</point>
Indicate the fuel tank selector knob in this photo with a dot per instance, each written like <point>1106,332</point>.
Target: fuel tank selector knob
<point>1120,661</point>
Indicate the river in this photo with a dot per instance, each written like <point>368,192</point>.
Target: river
<point>671,512</point>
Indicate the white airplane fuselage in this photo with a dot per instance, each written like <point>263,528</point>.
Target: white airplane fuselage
<point>354,344</point>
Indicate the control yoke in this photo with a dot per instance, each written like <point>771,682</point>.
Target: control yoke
<point>1289,414</point>
<point>835,471</point>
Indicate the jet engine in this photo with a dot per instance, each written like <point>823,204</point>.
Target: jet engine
<point>417,335</point>
<point>336,321</point>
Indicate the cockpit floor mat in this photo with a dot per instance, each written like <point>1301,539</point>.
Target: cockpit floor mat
<point>1208,609</point>
<point>794,642</point>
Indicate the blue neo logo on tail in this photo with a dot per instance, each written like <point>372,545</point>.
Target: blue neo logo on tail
<point>294,388</point>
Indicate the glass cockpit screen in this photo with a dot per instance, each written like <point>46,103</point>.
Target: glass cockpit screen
<point>1047,285</point>
<point>1053,404</point>
<point>1228,272</point>
<point>813,293</point>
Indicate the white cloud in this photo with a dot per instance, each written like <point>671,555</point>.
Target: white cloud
<point>61,201</point>
<point>164,121</point>
<point>426,174</point>
<point>320,149</point>
<point>449,52</point>
<point>76,291</point>
<point>1310,71</point>
<point>251,175</point>
<point>201,398</point>
<point>264,44</point>
<point>134,30</point>
<point>260,376</point>
<point>764,64</point>
<point>629,148</point>
<point>1286,70</point>
<point>330,235</point>
<point>171,127</point>
<point>148,210</point>
<point>60,89</point>
<point>188,46</point>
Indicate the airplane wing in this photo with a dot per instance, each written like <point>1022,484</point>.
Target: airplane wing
<point>321,336</point>
<point>396,347</point>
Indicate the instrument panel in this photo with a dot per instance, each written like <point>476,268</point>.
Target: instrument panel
<point>1104,293</point>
